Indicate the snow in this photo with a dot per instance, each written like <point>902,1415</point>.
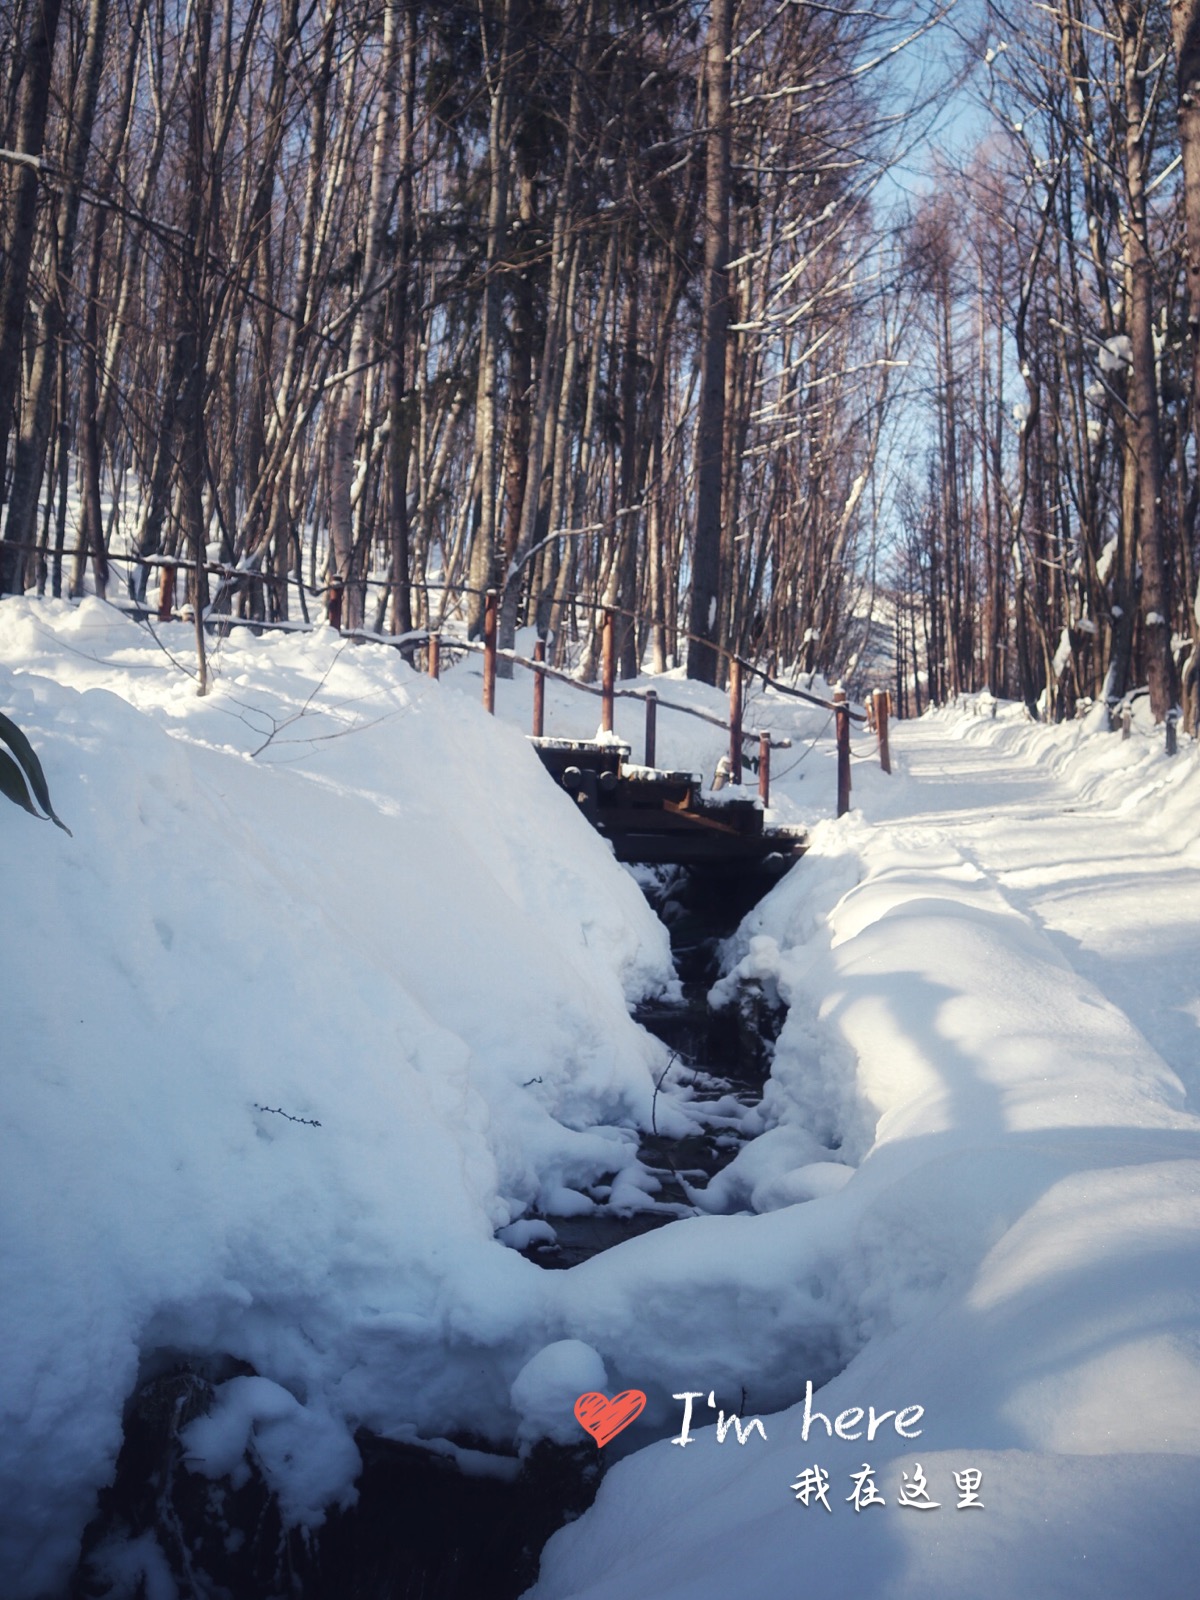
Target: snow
<point>546,1388</point>
<point>992,1007</point>
<point>388,924</point>
<point>1116,353</point>
<point>306,1455</point>
<point>1062,655</point>
<point>328,996</point>
<point>136,1566</point>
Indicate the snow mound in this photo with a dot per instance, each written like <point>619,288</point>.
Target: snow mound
<point>329,985</point>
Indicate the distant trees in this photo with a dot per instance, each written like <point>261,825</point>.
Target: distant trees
<point>599,304</point>
<point>579,300</point>
<point>1053,536</point>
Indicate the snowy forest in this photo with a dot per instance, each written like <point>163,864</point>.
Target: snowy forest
<point>654,308</point>
<point>750,1146</point>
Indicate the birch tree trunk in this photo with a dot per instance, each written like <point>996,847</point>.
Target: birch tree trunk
<point>549,377</point>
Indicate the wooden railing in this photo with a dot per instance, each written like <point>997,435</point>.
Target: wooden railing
<point>843,713</point>
<point>608,693</point>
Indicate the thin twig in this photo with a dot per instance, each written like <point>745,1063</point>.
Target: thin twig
<point>277,1111</point>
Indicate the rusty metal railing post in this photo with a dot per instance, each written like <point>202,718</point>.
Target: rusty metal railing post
<point>764,768</point>
<point>435,655</point>
<point>735,720</point>
<point>841,717</point>
<point>166,591</point>
<point>608,671</point>
<point>489,652</point>
<point>881,728</point>
<point>539,690</point>
<point>651,727</point>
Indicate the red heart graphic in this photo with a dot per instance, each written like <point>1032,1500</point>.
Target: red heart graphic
<point>604,1418</point>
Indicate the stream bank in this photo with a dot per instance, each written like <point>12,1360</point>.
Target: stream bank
<point>422,1528</point>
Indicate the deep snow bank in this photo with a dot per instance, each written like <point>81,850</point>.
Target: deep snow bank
<point>383,921</point>
<point>1018,1252</point>
<point>337,893</point>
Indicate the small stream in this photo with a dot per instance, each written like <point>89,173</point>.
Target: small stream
<point>727,1052</point>
<point>422,1529</point>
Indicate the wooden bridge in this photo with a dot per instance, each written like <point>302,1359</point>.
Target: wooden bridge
<point>648,815</point>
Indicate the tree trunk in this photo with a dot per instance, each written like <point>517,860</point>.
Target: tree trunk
<point>18,237</point>
<point>92,540</point>
<point>194,331</point>
<point>345,482</point>
<point>1143,387</point>
<point>710,428</point>
<point>29,464</point>
<point>483,544</point>
<point>1185,27</point>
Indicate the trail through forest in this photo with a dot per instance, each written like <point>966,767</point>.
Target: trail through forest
<point>1109,885</point>
<point>989,970</point>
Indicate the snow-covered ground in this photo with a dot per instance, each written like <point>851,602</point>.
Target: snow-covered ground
<point>331,893</point>
<point>335,893</point>
<point>979,966</point>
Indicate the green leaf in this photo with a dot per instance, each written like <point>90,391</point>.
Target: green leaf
<point>27,756</point>
<point>13,778</point>
<point>12,783</point>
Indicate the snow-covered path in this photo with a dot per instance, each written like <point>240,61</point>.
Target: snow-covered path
<point>1106,880</point>
<point>990,973</point>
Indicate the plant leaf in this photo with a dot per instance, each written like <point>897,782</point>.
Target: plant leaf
<point>27,756</point>
<point>13,777</point>
<point>12,783</point>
